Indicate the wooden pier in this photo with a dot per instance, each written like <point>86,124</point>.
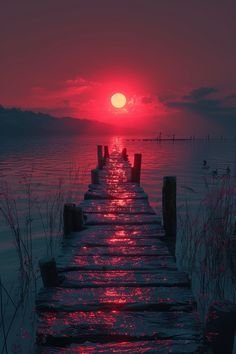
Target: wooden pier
<point>118,289</point>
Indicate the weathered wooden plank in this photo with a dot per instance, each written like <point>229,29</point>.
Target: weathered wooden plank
<point>90,262</point>
<point>118,298</point>
<point>119,188</point>
<point>168,346</point>
<point>113,241</point>
<point>129,206</point>
<point>119,251</point>
<point>78,279</point>
<point>78,327</point>
<point>114,195</point>
<point>111,231</point>
<point>121,219</point>
<point>121,289</point>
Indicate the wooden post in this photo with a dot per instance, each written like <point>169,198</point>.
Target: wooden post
<point>68,218</point>
<point>78,219</point>
<point>49,274</point>
<point>106,152</point>
<point>100,156</point>
<point>73,218</point>
<point>95,176</point>
<point>136,169</point>
<point>124,154</point>
<point>169,206</point>
<point>232,254</point>
<point>234,347</point>
<point>221,326</point>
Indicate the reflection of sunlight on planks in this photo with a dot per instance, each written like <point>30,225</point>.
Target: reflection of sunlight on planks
<point>120,283</point>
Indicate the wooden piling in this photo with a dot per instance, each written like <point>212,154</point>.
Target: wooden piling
<point>169,206</point>
<point>100,156</point>
<point>124,154</point>
<point>73,218</point>
<point>232,255</point>
<point>106,152</point>
<point>78,219</point>
<point>49,274</point>
<point>221,326</point>
<point>136,169</point>
<point>95,176</point>
<point>68,218</point>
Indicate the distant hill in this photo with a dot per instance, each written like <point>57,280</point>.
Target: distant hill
<point>16,122</point>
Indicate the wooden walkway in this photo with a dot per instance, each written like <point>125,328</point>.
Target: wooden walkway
<point>121,291</point>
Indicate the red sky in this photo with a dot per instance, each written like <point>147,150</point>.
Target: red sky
<point>67,58</point>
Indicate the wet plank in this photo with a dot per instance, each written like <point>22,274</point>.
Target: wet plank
<point>81,279</point>
<point>70,262</point>
<point>111,231</point>
<point>130,250</point>
<point>114,240</point>
<point>93,194</point>
<point>75,327</point>
<point>168,346</point>
<point>120,188</point>
<point>121,219</point>
<point>120,291</point>
<point>129,206</point>
<point>118,298</point>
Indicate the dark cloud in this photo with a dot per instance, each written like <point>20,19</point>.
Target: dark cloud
<point>218,110</point>
<point>230,98</point>
<point>200,93</point>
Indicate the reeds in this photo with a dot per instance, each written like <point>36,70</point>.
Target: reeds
<point>22,212</point>
<point>204,242</point>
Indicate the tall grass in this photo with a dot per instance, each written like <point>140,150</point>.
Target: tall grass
<point>204,247</point>
<point>22,236</point>
<point>26,214</point>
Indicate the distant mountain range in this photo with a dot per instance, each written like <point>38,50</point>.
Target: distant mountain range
<point>16,122</point>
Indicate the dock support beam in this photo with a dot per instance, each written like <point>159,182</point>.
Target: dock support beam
<point>73,218</point>
<point>106,152</point>
<point>136,169</point>
<point>124,154</point>
<point>49,274</point>
<point>169,206</point>
<point>221,327</point>
<point>95,176</point>
<point>100,156</point>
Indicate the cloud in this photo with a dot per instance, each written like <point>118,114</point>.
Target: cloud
<point>201,101</point>
<point>69,97</point>
<point>200,93</point>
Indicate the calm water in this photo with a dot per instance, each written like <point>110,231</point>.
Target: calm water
<point>45,163</point>
<point>36,170</point>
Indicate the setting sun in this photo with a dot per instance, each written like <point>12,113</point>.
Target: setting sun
<point>118,100</point>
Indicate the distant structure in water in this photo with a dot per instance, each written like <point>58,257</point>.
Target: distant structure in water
<point>205,165</point>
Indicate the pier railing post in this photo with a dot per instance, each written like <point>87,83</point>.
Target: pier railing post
<point>95,176</point>
<point>68,218</point>
<point>49,274</point>
<point>124,154</point>
<point>73,218</point>
<point>78,219</point>
<point>136,169</point>
<point>169,206</point>
<point>220,327</point>
<point>106,152</point>
<point>100,156</point>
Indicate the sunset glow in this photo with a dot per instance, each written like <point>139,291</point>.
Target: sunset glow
<point>118,100</point>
